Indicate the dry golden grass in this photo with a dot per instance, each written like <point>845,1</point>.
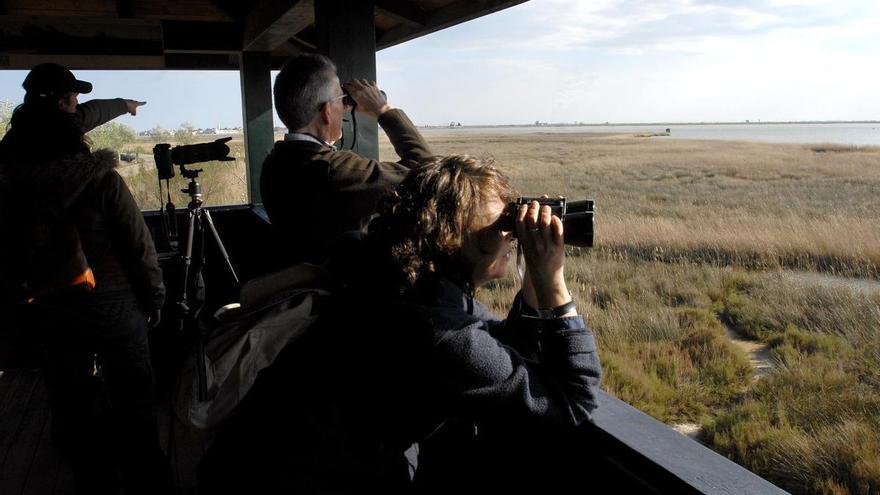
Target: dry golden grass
<point>751,204</point>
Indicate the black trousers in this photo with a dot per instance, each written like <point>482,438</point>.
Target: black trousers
<point>100,384</point>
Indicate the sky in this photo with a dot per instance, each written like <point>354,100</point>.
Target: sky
<point>590,61</point>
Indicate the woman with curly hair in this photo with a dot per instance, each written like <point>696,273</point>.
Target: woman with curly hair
<point>408,356</point>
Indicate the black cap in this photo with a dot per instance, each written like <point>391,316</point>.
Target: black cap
<point>53,80</point>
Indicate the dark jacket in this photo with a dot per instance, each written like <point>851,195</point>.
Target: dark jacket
<point>93,113</point>
<point>337,413</point>
<point>114,237</point>
<point>313,194</point>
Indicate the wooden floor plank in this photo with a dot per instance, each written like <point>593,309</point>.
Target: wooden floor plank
<point>45,472</point>
<point>29,465</point>
<point>25,441</point>
<point>64,482</point>
<point>9,382</point>
<point>14,410</point>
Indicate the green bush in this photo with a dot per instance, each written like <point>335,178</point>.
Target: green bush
<point>112,136</point>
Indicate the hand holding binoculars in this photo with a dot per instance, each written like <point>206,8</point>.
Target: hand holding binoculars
<point>577,218</point>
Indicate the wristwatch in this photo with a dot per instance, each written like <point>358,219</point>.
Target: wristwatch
<point>557,312</point>
<point>546,313</point>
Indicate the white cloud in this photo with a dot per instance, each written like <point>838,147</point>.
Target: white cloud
<point>624,61</point>
<point>635,26</point>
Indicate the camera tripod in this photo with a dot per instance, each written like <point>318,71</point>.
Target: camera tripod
<point>197,219</point>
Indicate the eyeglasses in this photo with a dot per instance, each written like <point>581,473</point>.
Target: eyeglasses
<point>345,101</point>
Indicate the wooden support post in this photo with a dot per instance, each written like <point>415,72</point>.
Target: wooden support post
<point>256,98</point>
<point>346,34</point>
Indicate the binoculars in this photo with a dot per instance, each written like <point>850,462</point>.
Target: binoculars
<point>576,216</point>
<point>348,101</point>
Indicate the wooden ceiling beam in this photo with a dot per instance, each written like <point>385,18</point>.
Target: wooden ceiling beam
<point>456,13</point>
<point>24,61</point>
<point>80,36</point>
<point>296,45</point>
<point>124,9</point>
<point>201,37</point>
<point>407,13</point>
<point>271,23</point>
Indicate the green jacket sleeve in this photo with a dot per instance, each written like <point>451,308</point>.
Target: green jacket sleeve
<point>409,144</point>
<point>359,183</point>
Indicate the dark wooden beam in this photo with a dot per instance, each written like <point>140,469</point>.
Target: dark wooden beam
<point>456,13</point>
<point>23,61</point>
<point>182,61</point>
<point>79,36</point>
<point>235,9</point>
<point>124,9</point>
<point>256,98</point>
<point>272,22</point>
<point>201,37</point>
<point>345,31</point>
<point>404,12</point>
<point>296,45</point>
<point>202,61</point>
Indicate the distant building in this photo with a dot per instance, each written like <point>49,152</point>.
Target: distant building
<point>220,130</point>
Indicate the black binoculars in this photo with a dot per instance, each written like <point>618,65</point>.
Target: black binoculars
<point>348,101</point>
<point>576,216</point>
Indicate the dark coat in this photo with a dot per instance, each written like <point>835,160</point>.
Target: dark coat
<point>314,194</point>
<point>93,113</point>
<point>114,237</point>
<point>336,413</point>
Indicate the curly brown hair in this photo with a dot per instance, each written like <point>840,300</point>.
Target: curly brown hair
<point>423,223</point>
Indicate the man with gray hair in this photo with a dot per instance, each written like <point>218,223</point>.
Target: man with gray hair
<point>312,191</point>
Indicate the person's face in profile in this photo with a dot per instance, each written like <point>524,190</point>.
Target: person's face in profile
<point>487,249</point>
<point>69,102</point>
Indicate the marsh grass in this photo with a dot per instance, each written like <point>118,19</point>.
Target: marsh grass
<point>812,426</point>
<point>663,348</point>
<point>724,203</point>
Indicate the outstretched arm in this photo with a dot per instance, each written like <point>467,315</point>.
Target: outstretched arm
<point>93,113</point>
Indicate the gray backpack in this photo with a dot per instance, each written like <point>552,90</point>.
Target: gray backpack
<point>274,311</point>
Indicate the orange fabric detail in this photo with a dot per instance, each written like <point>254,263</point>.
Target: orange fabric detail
<point>85,278</point>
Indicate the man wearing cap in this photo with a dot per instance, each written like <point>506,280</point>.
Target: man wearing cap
<point>57,82</point>
<point>99,317</point>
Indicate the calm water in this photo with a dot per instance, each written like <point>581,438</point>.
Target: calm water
<point>854,134</point>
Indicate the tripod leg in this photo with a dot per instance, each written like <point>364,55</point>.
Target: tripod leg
<point>187,261</point>
<point>207,216</point>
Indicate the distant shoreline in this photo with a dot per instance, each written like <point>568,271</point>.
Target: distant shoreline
<point>642,124</point>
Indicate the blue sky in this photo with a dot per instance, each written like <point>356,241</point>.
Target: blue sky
<point>588,61</point>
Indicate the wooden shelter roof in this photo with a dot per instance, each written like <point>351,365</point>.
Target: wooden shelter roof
<point>197,34</point>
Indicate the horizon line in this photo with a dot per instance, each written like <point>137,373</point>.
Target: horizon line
<point>598,124</point>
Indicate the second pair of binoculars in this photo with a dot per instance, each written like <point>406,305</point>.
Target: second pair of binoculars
<point>577,218</point>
